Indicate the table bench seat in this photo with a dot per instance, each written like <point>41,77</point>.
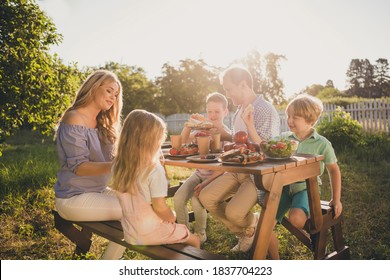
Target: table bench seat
<point>112,230</point>
<point>316,241</point>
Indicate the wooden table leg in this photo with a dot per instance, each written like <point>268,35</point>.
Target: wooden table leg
<point>267,218</point>
<point>314,205</point>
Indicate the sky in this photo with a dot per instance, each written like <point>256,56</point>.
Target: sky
<point>318,38</point>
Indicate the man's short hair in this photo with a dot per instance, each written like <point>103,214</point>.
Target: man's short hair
<point>237,74</point>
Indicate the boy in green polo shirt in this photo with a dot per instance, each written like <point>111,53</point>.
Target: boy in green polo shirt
<point>303,113</point>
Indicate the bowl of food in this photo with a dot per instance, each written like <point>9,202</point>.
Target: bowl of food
<point>279,149</point>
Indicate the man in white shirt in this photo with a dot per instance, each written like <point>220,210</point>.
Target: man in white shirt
<point>261,121</point>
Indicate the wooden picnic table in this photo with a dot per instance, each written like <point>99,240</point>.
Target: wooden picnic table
<point>271,176</point>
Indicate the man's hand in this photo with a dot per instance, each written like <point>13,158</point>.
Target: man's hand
<point>247,115</point>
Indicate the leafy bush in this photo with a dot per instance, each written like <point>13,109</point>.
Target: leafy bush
<point>374,147</point>
<point>342,130</point>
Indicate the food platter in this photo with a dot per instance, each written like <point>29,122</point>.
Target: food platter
<point>239,163</point>
<point>198,158</point>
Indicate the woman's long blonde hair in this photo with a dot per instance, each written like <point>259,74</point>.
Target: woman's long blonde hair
<point>108,122</point>
<point>138,150</point>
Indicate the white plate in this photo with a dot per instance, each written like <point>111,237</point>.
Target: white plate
<point>179,156</point>
<point>199,159</point>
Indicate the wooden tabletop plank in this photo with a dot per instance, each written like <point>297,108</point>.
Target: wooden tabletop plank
<point>258,168</point>
<point>263,167</point>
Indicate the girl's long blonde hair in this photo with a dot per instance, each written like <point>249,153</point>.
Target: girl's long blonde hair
<point>138,150</point>
<point>108,122</point>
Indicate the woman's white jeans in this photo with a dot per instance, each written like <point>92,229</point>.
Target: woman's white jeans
<point>92,207</point>
<point>182,195</point>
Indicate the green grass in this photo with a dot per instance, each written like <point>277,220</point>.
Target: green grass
<point>28,172</point>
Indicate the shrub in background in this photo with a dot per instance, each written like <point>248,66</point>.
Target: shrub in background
<point>374,147</point>
<point>343,131</point>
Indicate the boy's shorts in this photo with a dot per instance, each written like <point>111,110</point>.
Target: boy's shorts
<point>288,201</point>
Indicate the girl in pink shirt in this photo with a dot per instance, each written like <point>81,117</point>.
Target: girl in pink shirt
<point>140,181</point>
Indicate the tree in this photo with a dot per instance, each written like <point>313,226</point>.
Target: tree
<point>265,74</point>
<point>313,90</point>
<point>35,87</point>
<point>138,91</point>
<point>328,93</point>
<point>253,63</point>
<point>329,83</point>
<point>273,86</point>
<point>360,77</point>
<point>381,77</point>
<point>184,89</point>
<point>368,78</point>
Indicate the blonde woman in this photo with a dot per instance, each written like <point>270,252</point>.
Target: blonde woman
<point>141,185</point>
<point>85,143</point>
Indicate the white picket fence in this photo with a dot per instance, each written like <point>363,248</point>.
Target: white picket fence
<point>374,116</point>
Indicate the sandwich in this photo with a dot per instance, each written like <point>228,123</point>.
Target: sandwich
<point>197,121</point>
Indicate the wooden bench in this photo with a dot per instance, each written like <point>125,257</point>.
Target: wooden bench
<point>316,241</point>
<point>112,230</point>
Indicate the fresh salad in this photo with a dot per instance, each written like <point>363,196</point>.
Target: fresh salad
<point>282,148</point>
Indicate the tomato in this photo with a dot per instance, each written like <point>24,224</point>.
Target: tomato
<point>174,151</point>
<point>184,150</point>
<point>241,137</point>
<point>281,145</point>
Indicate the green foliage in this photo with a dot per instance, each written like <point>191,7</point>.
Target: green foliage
<point>273,85</point>
<point>35,87</point>
<point>373,147</point>
<point>343,131</point>
<point>344,101</point>
<point>328,93</point>
<point>138,91</point>
<point>368,80</point>
<point>313,89</point>
<point>265,74</point>
<point>184,89</point>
